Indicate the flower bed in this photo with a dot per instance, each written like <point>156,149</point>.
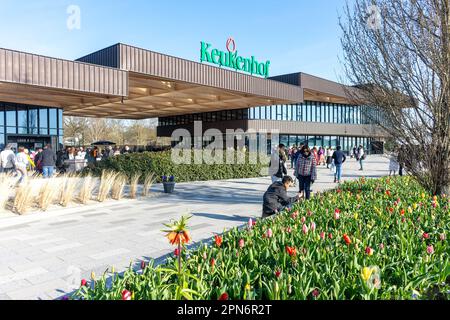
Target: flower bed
<point>374,239</point>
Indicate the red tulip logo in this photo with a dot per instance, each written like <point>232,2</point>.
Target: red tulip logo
<point>231,45</point>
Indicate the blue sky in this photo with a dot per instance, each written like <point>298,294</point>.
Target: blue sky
<point>295,35</point>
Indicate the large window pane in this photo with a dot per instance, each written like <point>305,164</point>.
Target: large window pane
<point>33,121</point>
<point>11,116</point>
<point>43,121</point>
<point>53,118</point>
<point>312,142</point>
<point>319,141</point>
<point>2,116</point>
<point>60,118</point>
<point>22,119</point>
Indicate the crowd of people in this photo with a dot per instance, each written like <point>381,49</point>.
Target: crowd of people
<point>304,161</point>
<point>26,162</point>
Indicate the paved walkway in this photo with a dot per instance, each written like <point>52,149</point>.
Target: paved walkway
<point>45,255</point>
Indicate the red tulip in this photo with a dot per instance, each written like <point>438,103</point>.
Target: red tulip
<point>347,239</point>
<point>83,283</point>
<point>402,212</point>
<point>291,251</point>
<point>176,252</point>
<point>224,296</point>
<point>426,235</point>
<point>310,213</point>
<point>322,235</point>
<point>126,295</point>
<point>241,243</point>
<point>388,193</point>
<point>315,293</point>
<point>278,273</point>
<point>369,251</point>
<point>213,262</point>
<point>142,265</point>
<point>330,236</point>
<point>218,240</point>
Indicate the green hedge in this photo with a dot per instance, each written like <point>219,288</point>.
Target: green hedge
<point>160,163</point>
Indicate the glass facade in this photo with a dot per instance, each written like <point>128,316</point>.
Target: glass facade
<point>30,126</point>
<point>309,111</point>
<point>347,143</point>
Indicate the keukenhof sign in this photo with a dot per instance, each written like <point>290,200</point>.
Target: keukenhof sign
<point>232,59</point>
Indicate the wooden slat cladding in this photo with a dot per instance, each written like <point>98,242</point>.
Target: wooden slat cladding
<point>319,129</point>
<point>29,69</point>
<point>176,69</point>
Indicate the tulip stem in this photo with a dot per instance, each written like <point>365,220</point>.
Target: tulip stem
<point>179,257</point>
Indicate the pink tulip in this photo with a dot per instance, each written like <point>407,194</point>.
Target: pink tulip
<point>305,229</point>
<point>442,236</point>
<point>381,246</point>
<point>288,229</point>
<point>295,215</point>
<point>430,249</point>
<point>310,213</point>
<point>269,233</point>
<point>303,219</point>
<point>322,235</point>
<point>250,223</point>
<point>241,243</point>
<point>313,226</point>
<point>337,214</point>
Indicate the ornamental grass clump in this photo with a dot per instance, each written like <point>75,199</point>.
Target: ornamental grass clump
<point>87,188</point>
<point>134,181</point>
<point>6,187</point>
<point>106,183</point>
<point>48,193</point>
<point>118,186</point>
<point>149,180</point>
<point>24,197</point>
<point>69,184</point>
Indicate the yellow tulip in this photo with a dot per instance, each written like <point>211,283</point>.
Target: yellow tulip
<point>366,273</point>
<point>410,210</point>
<point>415,205</point>
<point>423,195</point>
<point>247,286</point>
<point>356,216</point>
<point>113,269</point>
<point>92,275</point>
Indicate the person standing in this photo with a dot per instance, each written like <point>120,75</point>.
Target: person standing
<point>329,157</point>
<point>48,161</point>
<point>21,164</point>
<point>306,171</point>
<point>277,163</point>
<point>276,197</point>
<point>338,158</point>
<point>401,160</point>
<point>393,163</point>
<point>7,160</point>
<point>361,157</point>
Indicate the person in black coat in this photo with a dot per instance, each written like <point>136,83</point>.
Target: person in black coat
<point>276,197</point>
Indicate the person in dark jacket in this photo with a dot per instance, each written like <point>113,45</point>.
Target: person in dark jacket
<point>338,158</point>
<point>306,171</point>
<point>48,161</point>
<point>276,197</point>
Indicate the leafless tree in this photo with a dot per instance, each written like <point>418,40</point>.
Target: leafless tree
<point>397,53</point>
